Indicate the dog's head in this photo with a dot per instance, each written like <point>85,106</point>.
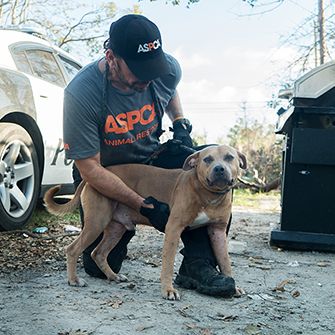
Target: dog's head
<point>217,166</point>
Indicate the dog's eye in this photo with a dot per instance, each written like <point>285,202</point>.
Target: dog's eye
<point>228,157</point>
<point>208,159</point>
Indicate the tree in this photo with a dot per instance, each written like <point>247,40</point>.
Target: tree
<point>312,39</point>
<point>262,148</point>
<point>70,25</point>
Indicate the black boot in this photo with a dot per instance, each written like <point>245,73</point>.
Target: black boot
<point>114,259</point>
<point>198,270</point>
<point>200,274</point>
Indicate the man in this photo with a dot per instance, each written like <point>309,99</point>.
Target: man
<point>113,112</point>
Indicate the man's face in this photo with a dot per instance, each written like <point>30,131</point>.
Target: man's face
<point>127,78</point>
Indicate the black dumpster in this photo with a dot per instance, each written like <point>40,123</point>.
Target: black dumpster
<point>307,219</point>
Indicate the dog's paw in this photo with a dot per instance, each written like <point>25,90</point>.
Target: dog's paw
<point>77,282</point>
<point>170,294</point>
<point>239,292</point>
<point>120,278</point>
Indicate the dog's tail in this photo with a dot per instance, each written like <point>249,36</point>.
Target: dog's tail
<point>61,209</point>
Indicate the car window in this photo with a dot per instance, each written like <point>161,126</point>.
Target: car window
<point>71,67</point>
<point>45,66</point>
<point>21,61</point>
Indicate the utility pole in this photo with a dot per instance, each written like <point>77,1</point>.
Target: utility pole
<point>322,41</point>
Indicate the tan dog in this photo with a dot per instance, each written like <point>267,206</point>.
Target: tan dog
<point>203,186</point>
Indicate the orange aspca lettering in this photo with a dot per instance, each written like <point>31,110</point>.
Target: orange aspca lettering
<point>151,117</point>
<point>118,142</point>
<point>150,46</point>
<point>133,117</point>
<point>119,126</point>
<point>125,122</point>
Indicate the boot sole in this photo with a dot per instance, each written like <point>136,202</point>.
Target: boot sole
<point>191,284</point>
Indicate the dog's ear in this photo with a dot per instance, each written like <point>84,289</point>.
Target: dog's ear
<point>191,161</point>
<point>243,160</point>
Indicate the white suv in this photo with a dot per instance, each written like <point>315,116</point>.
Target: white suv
<point>33,74</point>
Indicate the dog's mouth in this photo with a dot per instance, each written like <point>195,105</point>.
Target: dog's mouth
<point>220,183</point>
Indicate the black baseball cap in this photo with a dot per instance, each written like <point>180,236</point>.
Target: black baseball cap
<point>138,41</point>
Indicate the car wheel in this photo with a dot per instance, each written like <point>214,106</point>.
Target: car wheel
<point>19,176</point>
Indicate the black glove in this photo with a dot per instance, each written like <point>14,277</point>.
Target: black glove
<point>181,131</point>
<point>159,215</point>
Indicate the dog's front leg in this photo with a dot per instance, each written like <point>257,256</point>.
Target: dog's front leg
<point>171,241</point>
<point>219,241</point>
<point>218,237</point>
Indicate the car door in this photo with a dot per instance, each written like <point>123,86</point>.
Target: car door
<point>48,82</point>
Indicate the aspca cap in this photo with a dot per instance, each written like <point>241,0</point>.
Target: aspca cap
<point>138,41</point>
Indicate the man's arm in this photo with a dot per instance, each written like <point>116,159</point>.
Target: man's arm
<point>174,110</point>
<point>111,186</point>
<point>107,183</point>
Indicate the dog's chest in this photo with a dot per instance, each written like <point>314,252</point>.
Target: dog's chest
<point>211,214</point>
<point>200,221</point>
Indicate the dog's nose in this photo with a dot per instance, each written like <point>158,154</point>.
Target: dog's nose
<point>219,170</point>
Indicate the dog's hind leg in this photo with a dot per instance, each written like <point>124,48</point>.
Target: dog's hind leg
<point>74,250</point>
<point>96,220</point>
<point>112,235</point>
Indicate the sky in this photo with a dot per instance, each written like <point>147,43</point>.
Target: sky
<point>229,56</point>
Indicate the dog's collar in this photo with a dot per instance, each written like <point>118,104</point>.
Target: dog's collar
<point>221,195</point>
<point>223,192</point>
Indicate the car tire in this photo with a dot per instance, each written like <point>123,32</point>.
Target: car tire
<point>20,176</point>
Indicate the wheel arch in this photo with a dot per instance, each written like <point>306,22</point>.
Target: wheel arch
<point>29,124</point>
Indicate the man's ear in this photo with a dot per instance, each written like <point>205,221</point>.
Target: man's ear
<point>243,160</point>
<point>110,57</point>
<point>191,161</point>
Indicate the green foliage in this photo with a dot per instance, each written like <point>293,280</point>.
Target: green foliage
<point>41,218</point>
<point>246,198</point>
<point>261,146</point>
<point>199,139</point>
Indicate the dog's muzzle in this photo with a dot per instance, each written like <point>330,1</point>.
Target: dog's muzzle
<point>220,177</point>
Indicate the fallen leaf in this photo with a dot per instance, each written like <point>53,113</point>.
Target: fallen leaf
<point>115,303</point>
<point>183,310</point>
<point>229,318</point>
<point>141,328</point>
<point>293,264</point>
<point>281,286</point>
<point>75,332</point>
<point>131,286</point>
<point>322,264</point>
<point>261,266</point>
<point>256,260</point>
<point>190,325</point>
<point>252,329</point>
<point>295,294</point>
<point>225,318</point>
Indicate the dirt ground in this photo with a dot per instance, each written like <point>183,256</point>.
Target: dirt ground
<point>287,292</point>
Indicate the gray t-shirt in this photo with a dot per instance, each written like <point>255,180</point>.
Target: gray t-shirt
<point>125,131</point>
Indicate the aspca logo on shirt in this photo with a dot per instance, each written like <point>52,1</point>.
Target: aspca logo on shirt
<point>125,122</point>
<point>146,47</point>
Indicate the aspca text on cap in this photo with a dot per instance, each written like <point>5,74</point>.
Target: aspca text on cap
<point>146,47</point>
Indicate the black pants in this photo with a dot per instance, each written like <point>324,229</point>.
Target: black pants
<point>196,242</point>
